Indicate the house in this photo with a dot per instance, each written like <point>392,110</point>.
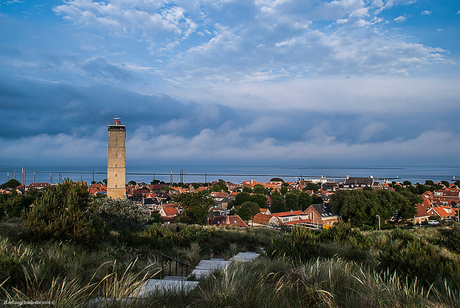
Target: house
<point>37,185</point>
<point>230,220</point>
<point>321,214</point>
<point>444,212</point>
<point>422,214</point>
<point>265,220</point>
<point>291,217</point>
<point>446,196</point>
<point>356,182</point>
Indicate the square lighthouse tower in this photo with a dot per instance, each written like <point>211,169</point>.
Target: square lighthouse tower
<point>116,162</point>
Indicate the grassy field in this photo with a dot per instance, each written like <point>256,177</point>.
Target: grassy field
<point>341,267</point>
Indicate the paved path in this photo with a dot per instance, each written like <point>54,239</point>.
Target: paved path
<point>205,267</point>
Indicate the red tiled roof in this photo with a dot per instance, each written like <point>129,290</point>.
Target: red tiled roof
<point>290,213</point>
<point>260,218</point>
<point>232,220</point>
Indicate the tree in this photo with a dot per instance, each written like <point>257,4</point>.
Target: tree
<point>247,189</point>
<point>316,199</point>
<point>260,189</point>
<point>165,188</point>
<point>122,214</point>
<point>276,180</point>
<point>64,212</point>
<point>223,185</point>
<point>407,183</point>
<point>13,183</point>
<point>155,182</point>
<point>445,183</point>
<point>196,185</point>
<point>104,181</point>
<point>284,190</point>
<point>216,188</point>
<point>277,203</point>
<point>292,201</point>
<point>132,183</point>
<point>305,200</point>
<point>312,186</point>
<point>247,210</point>
<point>360,207</point>
<point>195,205</point>
<point>261,200</point>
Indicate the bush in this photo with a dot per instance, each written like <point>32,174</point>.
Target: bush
<point>122,214</point>
<point>63,212</point>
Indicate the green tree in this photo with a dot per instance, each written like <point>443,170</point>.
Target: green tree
<point>445,183</point>
<point>64,212</point>
<point>13,183</point>
<point>312,186</point>
<point>276,180</point>
<point>260,189</point>
<point>223,185</point>
<point>247,189</point>
<point>155,182</point>
<point>196,185</point>
<point>316,199</point>
<point>122,214</point>
<point>277,203</point>
<point>195,205</point>
<point>247,210</point>
<point>305,200</point>
<point>261,200</point>
<point>292,201</point>
<point>132,183</point>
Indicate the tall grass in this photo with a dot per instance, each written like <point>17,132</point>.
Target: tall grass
<point>317,283</point>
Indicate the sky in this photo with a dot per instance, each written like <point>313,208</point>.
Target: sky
<point>363,82</point>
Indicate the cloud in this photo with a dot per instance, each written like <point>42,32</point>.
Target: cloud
<point>426,12</point>
<point>400,19</point>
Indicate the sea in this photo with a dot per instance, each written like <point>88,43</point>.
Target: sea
<point>231,173</point>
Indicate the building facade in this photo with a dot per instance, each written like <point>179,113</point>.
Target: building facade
<point>116,162</point>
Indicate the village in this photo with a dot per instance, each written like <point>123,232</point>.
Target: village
<point>159,198</point>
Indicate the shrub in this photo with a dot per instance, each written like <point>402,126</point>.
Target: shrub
<point>121,214</point>
<point>63,212</point>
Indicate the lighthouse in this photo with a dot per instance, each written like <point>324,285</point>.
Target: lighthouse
<point>116,160</point>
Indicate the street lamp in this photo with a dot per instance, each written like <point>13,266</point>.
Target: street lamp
<point>379,221</point>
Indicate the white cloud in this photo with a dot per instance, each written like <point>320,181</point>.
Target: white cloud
<point>426,12</point>
<point>400,19</point>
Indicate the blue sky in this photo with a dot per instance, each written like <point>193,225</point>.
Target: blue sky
<point>231,81</point>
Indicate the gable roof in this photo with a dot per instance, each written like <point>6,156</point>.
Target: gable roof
<point>231,220</point>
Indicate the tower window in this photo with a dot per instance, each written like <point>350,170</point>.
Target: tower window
<point>115,175</point>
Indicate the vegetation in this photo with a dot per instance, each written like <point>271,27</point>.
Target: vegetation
<point>71,249</point>
<point>360,207</point>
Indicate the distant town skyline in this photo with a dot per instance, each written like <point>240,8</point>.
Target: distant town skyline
<point>231,82</point>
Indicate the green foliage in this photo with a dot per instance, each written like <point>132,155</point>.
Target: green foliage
<point>195,205</point>
<point>64,212</point>
<point>247,189</point>
<point>315,199</point>
<point>122,214</point>
<point>13,183</point>
<point>360,207</point>
<point>247,210</point>
<point>292,201</point>
<point>132,182</point>
<point>156,218</point>
<point>13,205</point>
<point>312,186</point>
<point>261,200</point>
<point>305,200</point>
<point>414,257</point>
<point>260,189</point>
<point>276,180</point>
<point>277,203</point>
